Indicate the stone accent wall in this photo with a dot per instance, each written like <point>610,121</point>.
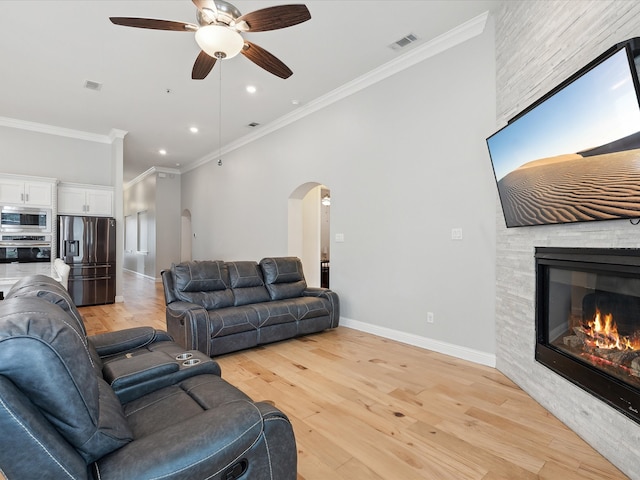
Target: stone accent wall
<point>538,45</point>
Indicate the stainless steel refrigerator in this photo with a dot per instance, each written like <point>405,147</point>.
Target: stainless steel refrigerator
<point>88,246</point>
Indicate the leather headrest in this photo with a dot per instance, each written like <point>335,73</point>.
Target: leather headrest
<point>50,290</point>
<point>200,276</point>
<point>283,277</point>
<point>44,355</point>
<point>282,269</point>
<point>245,274</point>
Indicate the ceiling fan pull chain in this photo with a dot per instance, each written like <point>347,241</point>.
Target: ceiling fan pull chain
<point>220,116</point>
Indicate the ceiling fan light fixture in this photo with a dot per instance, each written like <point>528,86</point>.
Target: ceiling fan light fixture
<point>219,41</point>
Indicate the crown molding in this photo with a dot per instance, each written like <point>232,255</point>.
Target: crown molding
<point>149,172</point>
<point>447,40</point>
<point>115,134</point>
<point>53,130</point>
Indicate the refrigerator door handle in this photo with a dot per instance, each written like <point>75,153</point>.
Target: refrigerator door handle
<point>89,239</point>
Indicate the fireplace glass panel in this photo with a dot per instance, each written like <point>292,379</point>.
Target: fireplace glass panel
<point>594,317</point>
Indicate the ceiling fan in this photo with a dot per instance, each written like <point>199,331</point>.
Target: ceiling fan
<point>219,29</point>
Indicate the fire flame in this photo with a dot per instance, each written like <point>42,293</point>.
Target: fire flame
<point>604,333</point>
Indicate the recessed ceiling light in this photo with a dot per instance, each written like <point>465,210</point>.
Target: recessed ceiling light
<point>193,129</point>
<point>251,89</point>
<point>295,102</point>
<point>177,164</point>
<point>162,151</point>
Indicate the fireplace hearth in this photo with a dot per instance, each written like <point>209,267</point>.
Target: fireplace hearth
<point>588,321</point>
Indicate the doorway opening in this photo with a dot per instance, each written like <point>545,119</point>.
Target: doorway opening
<point>185,236</point>
<point>309,231</point>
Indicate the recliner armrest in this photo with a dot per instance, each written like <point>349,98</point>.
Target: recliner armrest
<point>331,297</point>
<point>128,371</point>
<point>167,286</point>
<point>116,343</point>
<point>139,374</point>
<point>188,324</point>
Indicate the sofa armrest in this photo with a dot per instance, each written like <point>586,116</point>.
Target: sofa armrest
<point>167,286</point>
<point>205,444</point>
<point>122,341</point>
<point>331,297</point>
<point>315,292</point>
<point>188,324</point>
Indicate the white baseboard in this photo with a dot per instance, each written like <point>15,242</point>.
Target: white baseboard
<point>142,275</point>
<point>120,298</point>
<point>464,353</point>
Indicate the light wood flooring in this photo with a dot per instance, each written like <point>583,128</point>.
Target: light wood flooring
<point>364,407</point>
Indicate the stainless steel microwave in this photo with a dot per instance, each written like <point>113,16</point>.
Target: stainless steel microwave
<point>24,219</point>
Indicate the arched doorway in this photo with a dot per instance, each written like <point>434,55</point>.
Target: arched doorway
<point>186,236</point>
<point>309,226</point>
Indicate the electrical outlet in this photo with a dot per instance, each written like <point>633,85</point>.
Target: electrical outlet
<point>429,317</point>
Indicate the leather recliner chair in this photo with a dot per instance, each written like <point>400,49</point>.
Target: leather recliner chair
<point>72,408</point>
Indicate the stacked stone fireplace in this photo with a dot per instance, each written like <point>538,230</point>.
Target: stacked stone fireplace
<point>538,45</point>
<point>588,321</point>
<point>608,428</point>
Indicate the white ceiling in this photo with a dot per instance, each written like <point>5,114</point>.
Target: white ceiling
<point>49,49</point>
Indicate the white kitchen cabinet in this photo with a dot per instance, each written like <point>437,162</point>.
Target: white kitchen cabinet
<point>85,200</point>
<point>29,193</point>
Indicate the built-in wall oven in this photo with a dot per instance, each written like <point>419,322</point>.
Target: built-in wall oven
<point>24,219</point>
<point>25,248</point>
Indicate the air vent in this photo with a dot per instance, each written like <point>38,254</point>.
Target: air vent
<point>253,124</point>
<point>403,42</point>
<point>91,85</point>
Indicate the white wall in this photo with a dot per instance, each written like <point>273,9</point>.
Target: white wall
<point>168,222</point>
<point>157,194</point>
<point>68,159</point>
<point>140,203</point>
<point>417,139</point>
<point>538,45</point>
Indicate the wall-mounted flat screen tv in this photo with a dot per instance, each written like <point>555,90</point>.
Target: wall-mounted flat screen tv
<point>574,155</point>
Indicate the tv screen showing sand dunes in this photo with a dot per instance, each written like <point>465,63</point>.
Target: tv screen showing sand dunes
<point>575,156</point>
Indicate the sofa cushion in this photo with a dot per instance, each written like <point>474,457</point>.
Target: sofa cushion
<point>205,283</point>
<point>275,312</point>
<point>283,277</point>
<point>173,404</point>
<point>227,321</point>
<point>247,283</point>
<point>43,354</point>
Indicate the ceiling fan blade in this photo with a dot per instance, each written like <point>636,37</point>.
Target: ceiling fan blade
<point>207,7</point>
<point>264,59</point>
<point>273,18</point>
<point>203,65</point>
<point>154,24</point>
